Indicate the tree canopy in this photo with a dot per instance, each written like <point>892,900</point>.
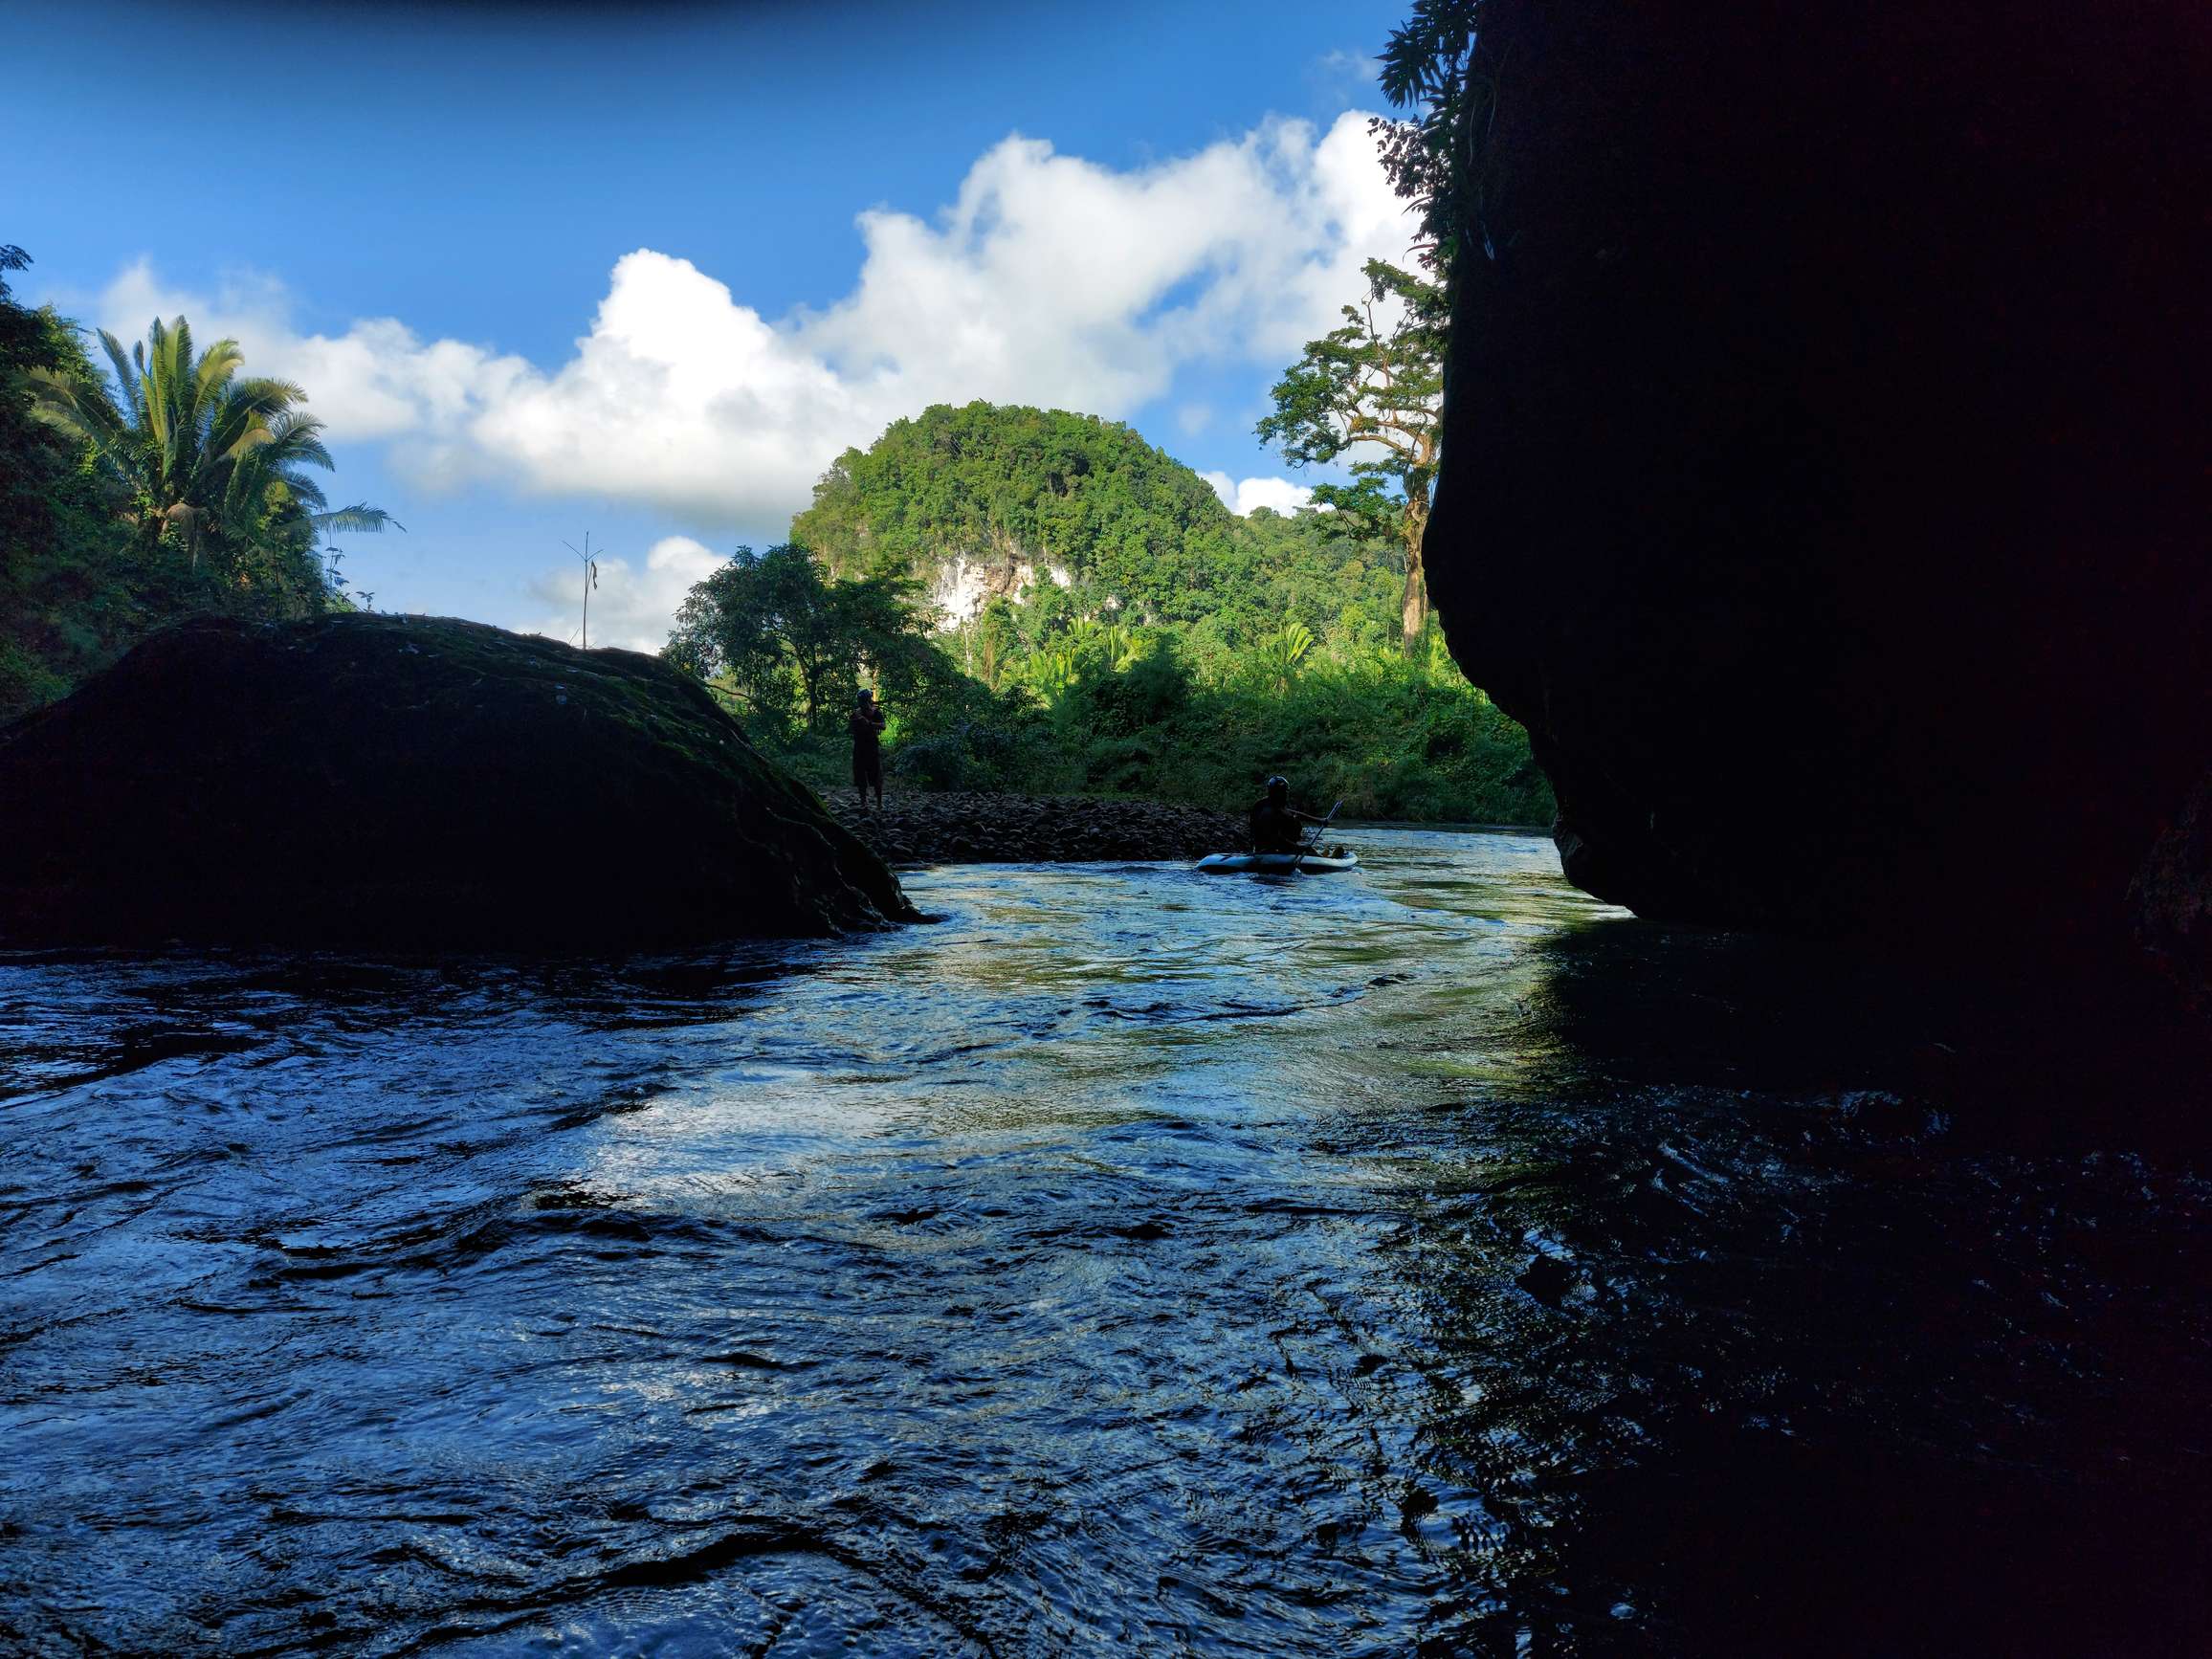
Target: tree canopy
<point>1369,393</point>
<point>790,643</point>
<point>1129,526</point>
<point>167,484</point>
<point>198,454</point>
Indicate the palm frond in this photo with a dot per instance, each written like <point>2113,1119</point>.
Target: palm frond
<point>127,380</point>
<point>85,412</point>
<point>267,395</point>
<point>295,442</point>
<point>222,459</point>
<point>217,365</point>
<point>156,358</point>
<point>303,490</point>
<point>210,375</point>
<point>360,519</point>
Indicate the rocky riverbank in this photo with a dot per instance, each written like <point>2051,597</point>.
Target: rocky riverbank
<point>955,828</point>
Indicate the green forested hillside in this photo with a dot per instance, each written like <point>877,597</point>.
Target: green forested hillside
<point>1161,644</point>
<point>1010,486</point>
<point>1139,538</point>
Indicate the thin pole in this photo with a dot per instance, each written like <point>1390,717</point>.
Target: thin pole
<point>591,578</point>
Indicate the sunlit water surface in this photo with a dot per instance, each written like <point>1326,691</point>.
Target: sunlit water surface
<point>1424,1259</point>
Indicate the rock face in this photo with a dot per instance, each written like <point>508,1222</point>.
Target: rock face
<point>2171,898</point>
<point>1824,480</point>
<point>412,784</point>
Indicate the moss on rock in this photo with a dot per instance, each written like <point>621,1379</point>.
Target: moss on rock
<point>415,784</point>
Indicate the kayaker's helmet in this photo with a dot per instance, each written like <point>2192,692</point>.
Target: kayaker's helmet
<point>1279,786</point>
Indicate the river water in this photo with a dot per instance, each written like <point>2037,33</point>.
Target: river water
<point>1427,1259</point>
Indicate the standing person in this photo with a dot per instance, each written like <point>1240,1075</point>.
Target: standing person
<point>865,724</point>
<point>1276,821</point>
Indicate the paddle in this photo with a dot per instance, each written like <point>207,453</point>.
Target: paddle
<point>1303,850</point>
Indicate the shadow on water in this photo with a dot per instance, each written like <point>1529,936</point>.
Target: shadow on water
<point>1425,1260</point>
<point>1796,1303</point>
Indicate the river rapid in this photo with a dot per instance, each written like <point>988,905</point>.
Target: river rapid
<point>1426,1259</point>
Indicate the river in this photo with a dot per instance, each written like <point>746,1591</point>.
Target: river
<point>1424,1259</point>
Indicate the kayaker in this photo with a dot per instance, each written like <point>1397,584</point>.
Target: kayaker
<point>866,723</point>
<point>1276,821</point>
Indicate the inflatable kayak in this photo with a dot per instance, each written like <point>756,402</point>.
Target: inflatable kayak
<point>1277,863</point>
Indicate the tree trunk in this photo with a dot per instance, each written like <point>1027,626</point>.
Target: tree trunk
<point>808,689</point>
<point>1414,609</point>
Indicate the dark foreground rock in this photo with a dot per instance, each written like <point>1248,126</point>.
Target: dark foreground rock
<point>964,828</point>
<point>412,784</point>
<point>1823,475</point>
<point>2171,898</point>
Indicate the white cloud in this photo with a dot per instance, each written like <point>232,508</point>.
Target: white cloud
<point>1048,279</point>
<point>1353,66</point>
<point>377,382</point>
<point>1241,497</point>
<point>632,606</point>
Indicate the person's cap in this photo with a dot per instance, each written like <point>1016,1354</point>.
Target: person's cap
<point>1278,782</point>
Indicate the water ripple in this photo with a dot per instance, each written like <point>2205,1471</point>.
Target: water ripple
<point>1424,1260</point>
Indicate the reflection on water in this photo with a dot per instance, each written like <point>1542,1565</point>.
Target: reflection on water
<point>1424,1259</point>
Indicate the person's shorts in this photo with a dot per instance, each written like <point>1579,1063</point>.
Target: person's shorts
<point>867,769</point>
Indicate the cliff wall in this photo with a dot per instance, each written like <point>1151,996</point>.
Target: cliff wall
<point>1826,460</point>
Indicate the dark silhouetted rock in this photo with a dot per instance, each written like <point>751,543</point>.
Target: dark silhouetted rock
<point>2171,897</point>
<point>408,783</point>
<point>1824,475</point>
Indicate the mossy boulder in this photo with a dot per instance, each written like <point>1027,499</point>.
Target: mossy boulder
<point>409,783</point>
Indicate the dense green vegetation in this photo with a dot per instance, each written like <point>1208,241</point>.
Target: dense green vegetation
<point>1112,626</point>
<point>788,644</point>
<point>1132,530</point>
<point>172,487</point>
<point>1128,633</point>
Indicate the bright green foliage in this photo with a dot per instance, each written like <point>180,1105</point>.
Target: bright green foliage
<point>789,643</point>
<point>1143,540</point>
<point>200,458</point>
<point>1279,657</point>
<point>1368,392</point>
<point>62,593</point>
<point>175,490</point>
<point>1391,738</point>
<point>1277,648</point>
<point>1002,487</point>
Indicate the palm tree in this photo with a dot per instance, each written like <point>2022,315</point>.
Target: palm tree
<point>198,451</point>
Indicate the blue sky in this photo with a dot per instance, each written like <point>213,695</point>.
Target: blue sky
<point>645,271</point>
